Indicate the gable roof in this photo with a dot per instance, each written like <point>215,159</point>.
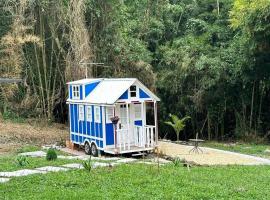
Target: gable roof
<point>109,90</point>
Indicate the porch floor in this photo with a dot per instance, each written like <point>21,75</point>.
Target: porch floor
<point>132,149</point>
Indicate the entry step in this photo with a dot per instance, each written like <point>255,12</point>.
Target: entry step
<point>138,154</point>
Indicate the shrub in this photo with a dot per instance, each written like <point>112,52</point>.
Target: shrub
<point>51,154</point>
<point>177,162</point>
<point>21,161</point>
<point>87,164</point>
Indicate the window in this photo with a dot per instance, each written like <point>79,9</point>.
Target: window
<point>133,91</point>
<point>138,111</point>
<point>81,113</point>
<point>89,113</point>
<point>97,114</point>
<point>109,114</point>
<point>75,92</point>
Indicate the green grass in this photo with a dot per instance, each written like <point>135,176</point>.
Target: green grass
<point>7,163</point>
<point>251,149</point>
<point>136,181</point>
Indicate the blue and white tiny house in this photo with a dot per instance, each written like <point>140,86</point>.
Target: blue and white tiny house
<point>94,102</point>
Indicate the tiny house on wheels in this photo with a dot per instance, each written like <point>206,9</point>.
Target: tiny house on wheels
<point>115,116</point>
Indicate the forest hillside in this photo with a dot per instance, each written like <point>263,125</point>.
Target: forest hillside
<point>207,59</point>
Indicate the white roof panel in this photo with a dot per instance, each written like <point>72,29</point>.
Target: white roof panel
<point>109,90</point>
<point>85,81</point>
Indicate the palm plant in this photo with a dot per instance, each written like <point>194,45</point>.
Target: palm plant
<point>177,124</point>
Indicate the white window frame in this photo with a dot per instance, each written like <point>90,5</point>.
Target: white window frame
<point>89,113</point>
<point>97,114</point>
<point>75,92</point>
<point>137,111</point>
<point>81,113</point>
<point>109,113</point>
<point>131,91</point>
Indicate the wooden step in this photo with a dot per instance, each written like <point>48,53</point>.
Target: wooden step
<point>138,154</point>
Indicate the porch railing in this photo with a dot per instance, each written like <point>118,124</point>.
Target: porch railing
<point>123,139</point>
<point>144,136</point>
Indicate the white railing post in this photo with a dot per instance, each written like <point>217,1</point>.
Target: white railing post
<point>152,136</point>
<point>156,122</point>
<point>128,131</point>
<point>119,139</point>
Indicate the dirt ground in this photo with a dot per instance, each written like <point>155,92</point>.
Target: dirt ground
<point>16,135</point>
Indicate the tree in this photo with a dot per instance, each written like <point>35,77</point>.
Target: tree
<point>177,124</point>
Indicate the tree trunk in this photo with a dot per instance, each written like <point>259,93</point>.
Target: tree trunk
<point>252,104</point>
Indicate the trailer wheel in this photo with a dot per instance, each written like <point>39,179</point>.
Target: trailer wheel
<point>87,148</point>
<point>94,150</point>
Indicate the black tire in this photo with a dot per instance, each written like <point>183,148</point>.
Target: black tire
<point>87,148</point>
<point>94,150</point>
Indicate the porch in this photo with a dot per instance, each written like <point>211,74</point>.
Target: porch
<point>137,127</point>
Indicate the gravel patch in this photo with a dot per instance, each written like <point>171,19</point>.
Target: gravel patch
<point>209,156</point>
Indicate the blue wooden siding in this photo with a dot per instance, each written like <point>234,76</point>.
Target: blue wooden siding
<point>138,122</point>
<point>90,87</point>
<point>81,92</point>
<point>70,92</point>
<point>124,95</point>
<point>142,94</point>
<point>86,128</point>
<point>109,134</point>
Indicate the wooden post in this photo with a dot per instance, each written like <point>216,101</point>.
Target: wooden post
<point>156,123</point>
<point>142,130</point>
<point>128,135</point>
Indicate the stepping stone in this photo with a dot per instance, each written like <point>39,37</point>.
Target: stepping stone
<point>126,160</point>
<point>87,157</point>
<point>52,169</point>
<point>97,164</point>
<point>4,180</point>
<point>73,166</point>
<point>34,154</point>
<point>23,172</point>
<point>106,159</point>
<point>148,163</point>
<point>83,157</point>
<point>160,160</point>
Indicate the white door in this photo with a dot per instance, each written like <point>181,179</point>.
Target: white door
<point>123,123</point>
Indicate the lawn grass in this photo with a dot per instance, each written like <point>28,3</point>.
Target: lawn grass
<point>138,181</point>
<point>7,163</point>
<point>251,149</point>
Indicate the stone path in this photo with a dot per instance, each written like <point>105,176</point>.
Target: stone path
<point>209,156</point>
<point>110,161</point>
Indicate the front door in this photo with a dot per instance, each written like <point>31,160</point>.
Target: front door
<point>123,122</point>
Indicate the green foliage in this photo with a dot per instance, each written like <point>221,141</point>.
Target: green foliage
<point>87,164</point>
<point>21,161</point>
<point>177,162</point>
<point>51,154</point>
<point>28,148</point>
<point>177,124</point>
